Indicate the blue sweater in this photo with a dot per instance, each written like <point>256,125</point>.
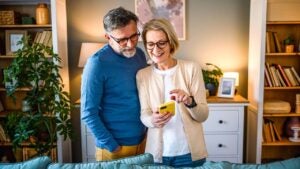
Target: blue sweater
<point>109,100</point>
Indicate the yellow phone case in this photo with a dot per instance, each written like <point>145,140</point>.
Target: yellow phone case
<point>167,107</point>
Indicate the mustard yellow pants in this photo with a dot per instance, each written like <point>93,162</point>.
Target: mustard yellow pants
<point>125,151</point>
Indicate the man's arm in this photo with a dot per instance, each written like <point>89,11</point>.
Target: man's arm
<point>91,97</point>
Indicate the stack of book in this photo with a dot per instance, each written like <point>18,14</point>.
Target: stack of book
<point>281,76</point>
<point>270,132</point>
<point>273,44</point>
<point>44,37</point>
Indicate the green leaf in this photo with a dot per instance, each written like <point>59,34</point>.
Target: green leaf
<point>36,67</point>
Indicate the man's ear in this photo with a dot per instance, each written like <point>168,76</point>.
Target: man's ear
<point>106,36</point>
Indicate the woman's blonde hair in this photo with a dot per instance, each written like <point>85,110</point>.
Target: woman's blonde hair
<point>164,25</point>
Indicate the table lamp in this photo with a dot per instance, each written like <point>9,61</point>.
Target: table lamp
<point>88,49</point>
<point>233,75</point>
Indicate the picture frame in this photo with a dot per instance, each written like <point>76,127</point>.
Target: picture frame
<point>226,87</point>
<point>174,11</point>
<point>12,37</point>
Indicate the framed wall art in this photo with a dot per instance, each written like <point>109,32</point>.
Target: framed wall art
<point>226,87</point>
<point>12,37</point>
<point>173,10</point>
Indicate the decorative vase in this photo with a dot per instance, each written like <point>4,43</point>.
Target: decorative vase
<point>42,14</point>
<point>291,122</point>
<point>211,88</point>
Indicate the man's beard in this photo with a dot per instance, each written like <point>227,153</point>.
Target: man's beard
<point>128,53</point>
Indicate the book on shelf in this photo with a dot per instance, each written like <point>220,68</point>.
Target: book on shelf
<point>296,75</point>
<point>280,78</point>
<point>266,82</point>
<point>276,132</point>
<point>273,42</point>
<point>274,75</point>
<point>277,42</point>
<point>266,132</point>
<point>268,46</point>
<point>270,43</point>
<point>268,79</point>
<point>37,37</point>
<point>271,131</point>
<point>270,75</point>
<point>49,43</point>
<point>284,76</point>
<point>290,76</point>
<point>47,37</point>
<point>43,37</point>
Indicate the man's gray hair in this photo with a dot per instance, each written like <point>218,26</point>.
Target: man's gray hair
<point>118,18</point>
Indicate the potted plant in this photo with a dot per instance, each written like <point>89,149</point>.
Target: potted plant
<point>289,44</point>
<point>35,68</point>
<point>211,75</point>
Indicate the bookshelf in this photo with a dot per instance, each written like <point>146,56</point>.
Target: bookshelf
<point>58,28</point>
<point>6,58</point>
<point>286,90</point>
<point>271,22</point>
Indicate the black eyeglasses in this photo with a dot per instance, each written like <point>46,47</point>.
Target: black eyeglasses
<point>159,44</point>
<point>123,41</point>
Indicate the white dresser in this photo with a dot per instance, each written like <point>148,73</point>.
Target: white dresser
<point>88,147</point>
<point>224,129</point>
<point>87,144</point>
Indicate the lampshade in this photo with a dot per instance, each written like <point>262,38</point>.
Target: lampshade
<point>232,75</point>
<point>87,49</point>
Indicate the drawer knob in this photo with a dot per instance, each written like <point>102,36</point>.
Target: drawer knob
<point>220,145</point>
<point>221,121</point>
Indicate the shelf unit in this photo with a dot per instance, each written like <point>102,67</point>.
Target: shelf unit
<point>59,37</point>
<point>270,150</point>
<point>281,17</point>
<point>9,105</point>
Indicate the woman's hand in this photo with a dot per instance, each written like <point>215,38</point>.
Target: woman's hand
<point>160,119</point>
<point>181,96</point>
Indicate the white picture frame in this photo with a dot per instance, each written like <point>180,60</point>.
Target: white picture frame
<point>174,11</point>
<point>12,37</point>
<point>226,87</point>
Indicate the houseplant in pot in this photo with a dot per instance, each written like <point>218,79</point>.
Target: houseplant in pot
<point>289,44</point>
<point>211,75</point>
<point>46,107</point>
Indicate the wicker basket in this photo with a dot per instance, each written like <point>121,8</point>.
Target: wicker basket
<point>9,18</point>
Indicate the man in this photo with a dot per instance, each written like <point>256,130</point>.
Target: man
<point>109,98</point>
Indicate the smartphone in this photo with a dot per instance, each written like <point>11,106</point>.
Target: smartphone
<point>167,107</point>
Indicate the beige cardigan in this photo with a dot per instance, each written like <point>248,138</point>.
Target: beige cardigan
<point>188,77</point>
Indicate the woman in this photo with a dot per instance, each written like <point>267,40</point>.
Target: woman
<point>176,140</point>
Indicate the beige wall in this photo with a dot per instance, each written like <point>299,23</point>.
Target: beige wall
<point>216,32</point>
